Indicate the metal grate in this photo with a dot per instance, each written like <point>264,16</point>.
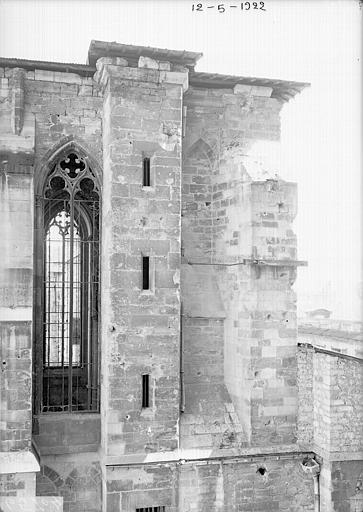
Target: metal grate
<point>70,207</point>
<point>151,509</point>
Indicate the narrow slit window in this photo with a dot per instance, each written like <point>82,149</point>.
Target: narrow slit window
<point>146,391</point>
<point>146,172</point>
<point>145,273</point>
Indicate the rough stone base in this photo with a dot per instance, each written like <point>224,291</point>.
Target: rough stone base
<point>212,486</point>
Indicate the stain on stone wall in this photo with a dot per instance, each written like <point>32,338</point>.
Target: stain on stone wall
<point>209,419</point>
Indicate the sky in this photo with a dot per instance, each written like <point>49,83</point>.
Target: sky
<point>315,41</point>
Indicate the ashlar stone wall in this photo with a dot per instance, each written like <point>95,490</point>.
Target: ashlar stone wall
<point>41,112</point>
<point>142,115</point>
<point>213,486</point>
<point>237,212</point>
<point>215,330</point>
<point>330,375</point>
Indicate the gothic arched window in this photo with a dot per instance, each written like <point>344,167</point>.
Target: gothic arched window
<point>67,360</point>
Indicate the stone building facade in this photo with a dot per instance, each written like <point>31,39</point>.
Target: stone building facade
<point>330,419</point>
<point>148,321</point>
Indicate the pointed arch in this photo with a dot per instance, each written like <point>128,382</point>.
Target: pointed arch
<point>66,279</point>
<point>64,146</point>
<point>199,165</point>
<point>202,148</point>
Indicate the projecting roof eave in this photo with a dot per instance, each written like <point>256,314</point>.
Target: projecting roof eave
<point>331,333</point>
<point>282,89</point>
<point>31,65</point>
<point>132,53</point>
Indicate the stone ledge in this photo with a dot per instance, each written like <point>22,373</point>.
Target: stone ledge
<point>18,462</point>
<point>339,347</point>
<point>196,454</point>
<point>337,456</point>
<point>31,504</point>
<point>142,74</point>
<point>64,433</point>
<point>253,90</point>
<point>20,314</point>
<point>58,450</point>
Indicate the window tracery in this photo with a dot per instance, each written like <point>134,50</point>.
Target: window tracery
<point>67,370</point>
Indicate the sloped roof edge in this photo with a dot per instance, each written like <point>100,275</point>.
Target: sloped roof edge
<point>282,89</point>
<point>132,53</point>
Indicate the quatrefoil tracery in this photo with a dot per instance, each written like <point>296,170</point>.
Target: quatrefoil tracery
<point>72,165</point>
<point>72,174</point>
<point>63,222</point>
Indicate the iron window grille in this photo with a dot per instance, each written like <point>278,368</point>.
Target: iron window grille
<point>151,509</point>
<point>68,235</point>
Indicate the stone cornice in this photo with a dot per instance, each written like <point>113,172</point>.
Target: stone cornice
<point>118,68</point>
<point>132,53</point>
<point>18,462</point>
<point>284,90</point>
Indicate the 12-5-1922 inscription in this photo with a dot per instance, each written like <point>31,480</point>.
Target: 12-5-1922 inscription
<point>221,8</point>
